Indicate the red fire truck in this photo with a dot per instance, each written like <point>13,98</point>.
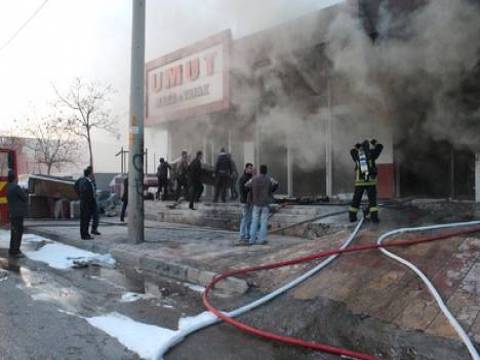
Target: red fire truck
<point>7,162</point>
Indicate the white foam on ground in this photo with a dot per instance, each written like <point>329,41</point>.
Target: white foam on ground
<point>133,296</point>
<point>27,238</point>
<point>143,339</point>
<point>58,256</point>
<point>148,341</point>
<point>3,275</point>
<point>193,287</point>
<point>4,235</point>
<point>41,297</point>
<point>32,238</point>
<point>185,323</point>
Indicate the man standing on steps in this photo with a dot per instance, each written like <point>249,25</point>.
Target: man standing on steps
<point>195,174</point>
<point>223,175</point>
<point>162,177</point>
<point>262,188</point>
<point>182,176</point>
<point>365,178</point>
<point>17,210</point>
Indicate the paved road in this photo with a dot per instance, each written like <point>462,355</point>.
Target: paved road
<point>43,310</point>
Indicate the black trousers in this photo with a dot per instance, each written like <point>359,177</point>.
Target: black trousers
<point>357,198</point>
<point>195,192</point>
<point>86,213</point>
<point>16,233</point>
<point>182,187</point>
<point>221,186</point>
<point>162,185</point>
<point>95,217</point>
<point>124,209</point>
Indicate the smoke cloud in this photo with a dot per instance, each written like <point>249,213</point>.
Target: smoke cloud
<point>421,68</point>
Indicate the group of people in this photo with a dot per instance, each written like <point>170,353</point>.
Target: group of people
<point>189,174</point>
<point>86,189</point>
<point>256,193</point>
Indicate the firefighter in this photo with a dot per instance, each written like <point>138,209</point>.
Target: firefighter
<point>364,157</point>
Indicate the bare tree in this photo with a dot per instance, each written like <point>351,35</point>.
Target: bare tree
<point>52,143</point>
<point>88,109</point>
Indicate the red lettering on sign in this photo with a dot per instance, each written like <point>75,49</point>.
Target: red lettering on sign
<point>192,69</point>
<point>157,84</point>
<point>174,76</point>
<point>210,63</point>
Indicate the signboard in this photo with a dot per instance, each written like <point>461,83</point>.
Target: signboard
<point>189,82</point>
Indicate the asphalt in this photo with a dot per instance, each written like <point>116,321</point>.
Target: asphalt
<point>43,309</point>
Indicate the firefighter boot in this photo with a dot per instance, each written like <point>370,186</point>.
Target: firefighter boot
<point>366,214</point>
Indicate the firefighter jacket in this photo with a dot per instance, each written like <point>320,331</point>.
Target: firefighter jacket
<point>368,176</point>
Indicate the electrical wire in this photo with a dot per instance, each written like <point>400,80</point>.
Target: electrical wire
<point>23,26</point>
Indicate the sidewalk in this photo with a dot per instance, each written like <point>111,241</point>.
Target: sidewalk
<point>185,253</point>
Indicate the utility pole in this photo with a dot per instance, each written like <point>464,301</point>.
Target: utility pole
<point>328,141</point>
<point>136,229</point>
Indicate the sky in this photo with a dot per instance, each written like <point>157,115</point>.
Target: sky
<point>90,39</point>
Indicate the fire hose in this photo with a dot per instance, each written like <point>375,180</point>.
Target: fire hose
<point>228,317</point>
<point>208,321</point>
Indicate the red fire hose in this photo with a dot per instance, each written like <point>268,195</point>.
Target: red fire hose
<point>296,341</point>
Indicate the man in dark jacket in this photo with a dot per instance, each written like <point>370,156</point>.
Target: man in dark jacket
<point>96,209</point>
<point>124,199</point>
<point>195,174</point>
<point>87,203</point>
<point>234,180</point>
<point>182,175</point>
<point>365,178</point>
<point>223,175</point>
<point>17,210</point>
<point>261,188</point>
<point>162,177</point>
<point>246,204</point>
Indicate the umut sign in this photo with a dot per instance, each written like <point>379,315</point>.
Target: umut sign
<point>191,81</point>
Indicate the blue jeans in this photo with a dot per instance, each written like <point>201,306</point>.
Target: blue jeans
<point>259,214</point>
<point>246,221</point>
